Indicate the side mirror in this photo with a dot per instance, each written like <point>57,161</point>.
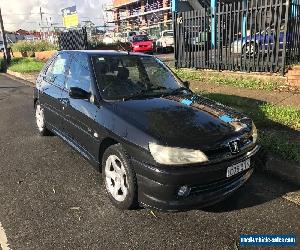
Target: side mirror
<point>186,84</point>
<point>78,93</point>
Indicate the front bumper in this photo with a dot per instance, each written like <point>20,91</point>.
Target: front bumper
<point>143,49</point>
<point>158,188</point>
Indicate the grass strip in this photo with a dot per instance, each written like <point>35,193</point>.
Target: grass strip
<point>26,65</point>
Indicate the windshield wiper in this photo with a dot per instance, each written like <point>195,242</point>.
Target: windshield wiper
<point>179,90</point>
<point>145,93</point>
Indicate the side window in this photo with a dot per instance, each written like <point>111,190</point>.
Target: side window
<point>79,73</point>
<point>56,72</point>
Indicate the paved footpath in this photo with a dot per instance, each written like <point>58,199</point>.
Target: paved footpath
<point>51,198</point>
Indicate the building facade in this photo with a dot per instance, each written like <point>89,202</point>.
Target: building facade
<point>151,16</point>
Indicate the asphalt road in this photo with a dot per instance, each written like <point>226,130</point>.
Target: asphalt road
<point>51,198</point>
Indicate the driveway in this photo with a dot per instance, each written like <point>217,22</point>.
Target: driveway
<point>51,198</point>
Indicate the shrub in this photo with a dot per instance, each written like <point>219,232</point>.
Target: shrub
<point>30,47</point>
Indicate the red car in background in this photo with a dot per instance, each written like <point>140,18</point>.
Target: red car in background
<point>142,43</point>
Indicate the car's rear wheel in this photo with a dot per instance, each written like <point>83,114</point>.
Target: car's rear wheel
<point>40,120</point>
<point>250,49</point>
<point>119,178</point>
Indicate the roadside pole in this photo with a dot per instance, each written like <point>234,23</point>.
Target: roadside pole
<point>6,52</point>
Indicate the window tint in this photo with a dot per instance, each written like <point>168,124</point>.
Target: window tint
<point>79,73</point>
<point>56,72</point>
<point>141,38</point>
<point>122,76</point>
<point>168,33</point>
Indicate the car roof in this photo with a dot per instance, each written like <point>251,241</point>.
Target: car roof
<point>105,52</point>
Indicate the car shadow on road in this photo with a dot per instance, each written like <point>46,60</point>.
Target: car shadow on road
<point>277,139</point>
<point>260,189</point>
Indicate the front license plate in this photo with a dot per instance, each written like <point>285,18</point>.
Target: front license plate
<point>237,168</point>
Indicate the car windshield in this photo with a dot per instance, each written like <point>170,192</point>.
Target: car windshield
<point>168,33</point>
<point>131,76</point>
<point>141,38</point>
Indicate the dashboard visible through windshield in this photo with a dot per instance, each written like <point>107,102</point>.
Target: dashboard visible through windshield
<point>129,76</point>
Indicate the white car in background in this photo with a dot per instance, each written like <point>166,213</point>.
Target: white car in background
<point>165,42</point>
<point>128,36</point>
<point>108,39</point>
<point>2,45</point>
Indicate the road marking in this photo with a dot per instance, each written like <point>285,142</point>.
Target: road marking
<point>3,239</point>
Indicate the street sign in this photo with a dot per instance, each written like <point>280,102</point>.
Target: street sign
<point>70,17</point>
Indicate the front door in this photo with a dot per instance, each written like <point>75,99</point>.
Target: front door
<point>51,85</point>
<point>80,114</point>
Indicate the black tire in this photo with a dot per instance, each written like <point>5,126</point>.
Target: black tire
<point>250,49</point>
<point>131,198</point>
<point>42,129</point>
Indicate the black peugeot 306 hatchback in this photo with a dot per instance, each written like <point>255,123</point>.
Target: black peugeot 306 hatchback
<point>158,144</point>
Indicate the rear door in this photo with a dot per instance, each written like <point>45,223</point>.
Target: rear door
<point>51,86</point>
<point>80,115</point>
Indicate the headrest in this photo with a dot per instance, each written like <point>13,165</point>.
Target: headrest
<point>123,74</point>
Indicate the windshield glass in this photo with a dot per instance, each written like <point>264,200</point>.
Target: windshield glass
<point>122,77</point>
<point>168,33</point>
<point>141,38</point>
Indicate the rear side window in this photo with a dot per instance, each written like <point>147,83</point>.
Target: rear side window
<point>79,73</point>
<point>56,72</point>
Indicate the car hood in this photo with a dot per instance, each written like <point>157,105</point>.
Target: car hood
<point>190,121</point>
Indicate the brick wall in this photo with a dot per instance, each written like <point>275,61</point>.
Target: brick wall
<point>293,76</point>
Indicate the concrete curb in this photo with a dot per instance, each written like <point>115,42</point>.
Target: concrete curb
<point>285,170</point>
<point>27,77</point>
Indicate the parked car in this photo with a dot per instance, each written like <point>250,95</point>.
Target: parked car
<point>255,43</point>
<point>165,42</point>
<point>2,45</point>
<point>128,36</point>
<point>142,43</point>
<point>158,144</point>
<point>196,41</point>
<point>108,39</point>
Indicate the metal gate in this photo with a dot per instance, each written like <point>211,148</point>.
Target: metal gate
<point>255,35</point>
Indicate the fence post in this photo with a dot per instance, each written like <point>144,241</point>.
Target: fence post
<point>287,15</point>
<point>213,5</point>
<point>174,4</point>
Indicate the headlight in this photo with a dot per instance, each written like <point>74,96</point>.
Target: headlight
<point>176,156</point>
<point>254,133</point>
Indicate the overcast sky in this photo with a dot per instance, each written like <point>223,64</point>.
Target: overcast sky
<point>23,14</point>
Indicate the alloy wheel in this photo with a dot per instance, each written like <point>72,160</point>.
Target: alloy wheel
<point>116,178</point>
<point>39,115</point>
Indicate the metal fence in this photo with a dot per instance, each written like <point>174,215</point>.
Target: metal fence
<point>293,49</point>
<point>255,35</point>
<point>73,40</point>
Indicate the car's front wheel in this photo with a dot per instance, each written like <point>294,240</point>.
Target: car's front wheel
<point>40,120</point>
<point>119,178</point>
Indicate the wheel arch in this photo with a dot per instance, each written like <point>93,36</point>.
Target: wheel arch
<point>105,144</point>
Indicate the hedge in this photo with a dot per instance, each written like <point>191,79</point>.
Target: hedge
<point>30,47</point>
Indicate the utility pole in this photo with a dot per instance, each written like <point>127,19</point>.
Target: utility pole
<point>6,53</point>
<point>41,24</point>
